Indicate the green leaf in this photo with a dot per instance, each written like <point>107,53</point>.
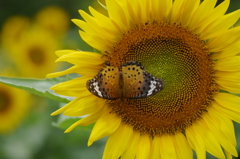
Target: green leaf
<point>39,87</point>
<point>97,51</point>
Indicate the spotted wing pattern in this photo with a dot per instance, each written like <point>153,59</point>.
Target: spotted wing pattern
<point>138,83</point>
<point>131,81</point>
<point>106,83</point>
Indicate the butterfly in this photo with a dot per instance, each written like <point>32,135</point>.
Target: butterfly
<point>130,80</point>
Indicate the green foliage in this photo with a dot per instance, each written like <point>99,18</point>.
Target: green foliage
<point>38,86</point>
<point>97,51</point>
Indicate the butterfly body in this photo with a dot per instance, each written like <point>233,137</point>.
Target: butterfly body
<point>129,81</point>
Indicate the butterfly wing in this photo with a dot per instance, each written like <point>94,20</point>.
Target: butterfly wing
<point>132,75</point>
<point>106,83</point>
<point>138,83</point>
<point>151,85</point>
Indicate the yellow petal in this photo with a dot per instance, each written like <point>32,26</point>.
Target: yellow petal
<point>117,14</point>
<point>229,81</point>
<point>69,129</point>
<point>177,9</point>
<point>145,8</point>
<point>76,83</point>
<point>95,41</point>
<point>91,118</point>
<point>188,10</point>
<point>181,146</point>
<point>229,156</point>
<point>83,25</point>
<point>100,16</point>
<point>82,58</point>
<point>211,142</point>
<point>143,151</point>
<point>87,105</point>
<point>124,5</point>
<point>226,39</point>
<point>94,26</point>
<point>106,23</point>
<point>201,13</point>
<point>160,8</point>
<point>216,14</point>
<point>155,148</point>
<point>70,89</point>
<point>155,10</point>
<point>229,86</point>
<point>228,64</point>
<point>106,125</point>
<point>228,128</point>
<point>213,122</point>
<point>72,93</point>
<point>167,148</point>
<point>196,141</point>
<point>222,25</point>
<point>223,123</point>
<point>122,136</point>
<point>137,11</point>
<point>131,150</point>
<point>132,19</point>
<point>228,51</point>
<point>228,101</point>
<point>73,69</point>
<point>64,108</point>
<point>60,53</point>
<point>227,76</point>
<point>89,71</point>
<point>168,8</point>
<point>228,113</point>
<point>71,83</point>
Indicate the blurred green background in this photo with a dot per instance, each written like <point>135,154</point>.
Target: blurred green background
<point>27,130</point>
<point>32,134</point>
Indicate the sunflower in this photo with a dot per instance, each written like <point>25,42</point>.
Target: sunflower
<point>192,46</point>
<point>32,55</point>
<point>54,19</point>
<point>13,29</point>
<point>14,106</point>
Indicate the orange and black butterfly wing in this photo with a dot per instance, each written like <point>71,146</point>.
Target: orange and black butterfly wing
<point>151,85</point>
<point>105,84</point>
<point>138,83</point>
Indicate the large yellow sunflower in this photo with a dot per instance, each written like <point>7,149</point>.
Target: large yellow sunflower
<point>191,46</point>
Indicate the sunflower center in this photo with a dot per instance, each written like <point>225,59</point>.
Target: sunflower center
<point>176,55</point>
<point>36,55</point>
<point>5,100</point>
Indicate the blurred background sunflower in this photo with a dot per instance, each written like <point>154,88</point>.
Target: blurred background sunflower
<point>30,32</point>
